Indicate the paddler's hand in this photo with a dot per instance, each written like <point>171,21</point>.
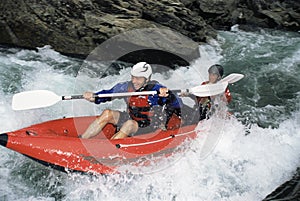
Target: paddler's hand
<point>163,92</point>
<point>89,96</point>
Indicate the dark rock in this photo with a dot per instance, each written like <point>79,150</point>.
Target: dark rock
<point>77,27</point>
<point>159,46</point>
<point>222,14</point>
<point>289,191</point>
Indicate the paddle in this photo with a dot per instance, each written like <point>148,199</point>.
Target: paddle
<point>214,89</point>
<point>44,98</point>
<point>232,78</point>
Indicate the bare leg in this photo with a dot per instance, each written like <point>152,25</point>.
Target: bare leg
<point>127,128</point>
<point>107,116</point>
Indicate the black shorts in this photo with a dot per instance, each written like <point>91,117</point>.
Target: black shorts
<point>144,127</point>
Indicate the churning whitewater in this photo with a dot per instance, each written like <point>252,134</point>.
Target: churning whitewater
<point>244,157</point>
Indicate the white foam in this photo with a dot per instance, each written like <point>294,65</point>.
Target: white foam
<point>238,167</point>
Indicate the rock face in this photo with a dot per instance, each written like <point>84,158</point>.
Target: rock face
<point>258,13</point>
<point>77,27</point>
<point>289,191</point>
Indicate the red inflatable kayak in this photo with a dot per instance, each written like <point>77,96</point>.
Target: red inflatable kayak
<point>55,143</point>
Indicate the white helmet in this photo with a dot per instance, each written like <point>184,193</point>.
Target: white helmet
<point>141,69</point>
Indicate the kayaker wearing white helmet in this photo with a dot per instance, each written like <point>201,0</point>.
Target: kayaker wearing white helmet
<point>141,114</point>
<point>141,75</point>
<point>215,74</point>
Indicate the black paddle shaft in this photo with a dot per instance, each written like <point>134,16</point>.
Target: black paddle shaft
<point>72,97</point>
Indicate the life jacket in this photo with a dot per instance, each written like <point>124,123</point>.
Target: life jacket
<point>139,107</point>
<point>141,110</point>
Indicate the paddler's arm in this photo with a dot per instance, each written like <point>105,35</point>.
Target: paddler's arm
<point>173,106</point>
<point>168,97</point>
<point>118,88</point>
<point>90,96</point>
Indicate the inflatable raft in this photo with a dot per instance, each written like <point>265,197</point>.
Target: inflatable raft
<point>57,144</point>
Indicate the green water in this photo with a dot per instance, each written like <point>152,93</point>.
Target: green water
<point>270,60</point>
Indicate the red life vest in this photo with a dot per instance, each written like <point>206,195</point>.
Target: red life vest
<point>139,108</point>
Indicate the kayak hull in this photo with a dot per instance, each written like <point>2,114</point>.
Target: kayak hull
<point>56,143</point>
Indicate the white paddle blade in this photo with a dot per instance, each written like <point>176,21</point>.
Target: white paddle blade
<point>232,78</point>
<point>209,89</point>
<point>34,99</point>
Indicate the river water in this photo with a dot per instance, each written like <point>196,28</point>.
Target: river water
<point>250,155</point>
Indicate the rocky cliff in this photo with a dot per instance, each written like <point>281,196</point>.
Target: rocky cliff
<point>76,27</point>
<point>221,14</point>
